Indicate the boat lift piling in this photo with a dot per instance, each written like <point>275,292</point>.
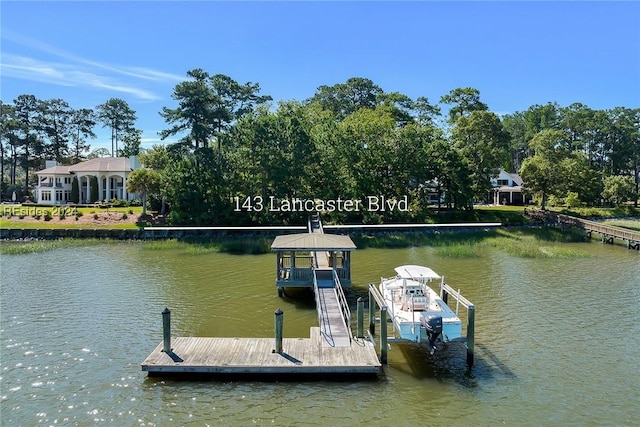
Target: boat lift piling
<point>376,300</point>
<point>445,291</point>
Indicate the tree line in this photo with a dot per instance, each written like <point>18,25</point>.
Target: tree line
<point>353,140</point>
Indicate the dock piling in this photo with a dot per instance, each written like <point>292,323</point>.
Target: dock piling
<point>360,331</point>
<point>383,335</point>
<point>470,334</point>
<point>372,314</point>
<point>279,321</point>
<point>166,330</point>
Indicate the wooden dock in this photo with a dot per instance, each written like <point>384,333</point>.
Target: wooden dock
<point>251,356</point>
<point>607,232</point>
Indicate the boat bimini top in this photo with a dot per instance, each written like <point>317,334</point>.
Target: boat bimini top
<point>416,272</point>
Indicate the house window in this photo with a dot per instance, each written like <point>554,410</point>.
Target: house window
<point>45,196</point>
<point>59,195</point>
<point>503,182</point>
<point>67,180</point>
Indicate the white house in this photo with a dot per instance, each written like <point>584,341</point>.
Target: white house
<point>54,182</point>
<point>508,189</point>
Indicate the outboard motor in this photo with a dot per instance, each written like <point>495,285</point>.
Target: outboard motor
<point>433,325</point>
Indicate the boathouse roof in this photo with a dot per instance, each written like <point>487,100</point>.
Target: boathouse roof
<point>313,241</point>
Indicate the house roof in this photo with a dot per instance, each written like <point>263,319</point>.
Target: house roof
<point>100,164</point>
<point>55,170</point>
<point>313,241</point>
<point>517,180</point>
<point>103,164</point>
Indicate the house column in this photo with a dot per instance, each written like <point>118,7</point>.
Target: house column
<point>125,196</point>
<point>100,189</point>
<point>108,195</point>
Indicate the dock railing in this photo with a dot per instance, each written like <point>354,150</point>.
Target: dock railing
<point>320,306</point>
<point>344,305</point>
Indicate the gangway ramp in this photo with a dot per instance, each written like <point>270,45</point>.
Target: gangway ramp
<point>331,316</point>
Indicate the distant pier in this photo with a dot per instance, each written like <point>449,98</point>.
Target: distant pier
<point>607,232</point>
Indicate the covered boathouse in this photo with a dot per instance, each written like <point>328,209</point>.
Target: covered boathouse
<point>299,255</point>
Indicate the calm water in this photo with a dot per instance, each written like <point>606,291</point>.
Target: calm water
<point>557,341</point>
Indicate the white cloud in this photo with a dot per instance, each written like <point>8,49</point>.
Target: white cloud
<point>73,70</point>
<point>26,68</point>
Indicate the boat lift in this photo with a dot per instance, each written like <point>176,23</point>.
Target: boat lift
<point>376,301</point>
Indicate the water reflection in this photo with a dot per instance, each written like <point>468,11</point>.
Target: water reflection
<point>76,323</point>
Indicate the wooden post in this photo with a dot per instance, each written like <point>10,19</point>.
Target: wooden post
<point>470,334</point>
<point>166,330</point>
<point>279,320</point>
<point>372,314</point>
<point>360,331</point>
<point>383,335</point>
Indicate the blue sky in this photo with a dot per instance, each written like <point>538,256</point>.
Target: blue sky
<point>516,53</point>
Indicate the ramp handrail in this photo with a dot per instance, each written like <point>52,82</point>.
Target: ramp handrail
<point>342,300</point>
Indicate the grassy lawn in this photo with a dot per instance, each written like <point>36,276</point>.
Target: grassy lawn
<point>30,217</point>
<point>47,225</point>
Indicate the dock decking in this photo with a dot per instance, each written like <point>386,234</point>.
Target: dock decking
<point>257,356</point>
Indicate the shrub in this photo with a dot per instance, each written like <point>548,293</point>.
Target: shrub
<point>124,216</point>
<point>119,203</point>
<point>21,216</point>
<point>95,216</point>
<point>47,216</point>
<point>130,211</point>
<point>135,202</point>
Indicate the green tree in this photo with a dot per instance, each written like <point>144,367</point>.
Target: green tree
<point>370,149</point>
<point>93,189</point>
<point>207,105</point>
<point>157,158</point>
<point>464,101</point>
<point>75,191</point>
<point>515,124</point>
<point>572,200</point>
<point>55,118</point>
<point>26,117</point>
<point>618,189</point>
<point>9,141</point>
<point>143,181</point>
<point>198,193</point>
<point>119,117</point>
<point>343,99</point>
<point>484,144</point>
<point>82,123</point>
<point>131,143</point>
<point>542,173</point>
<point>99,152</point>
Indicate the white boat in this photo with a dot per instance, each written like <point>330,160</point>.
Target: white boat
<point>417,311</point>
